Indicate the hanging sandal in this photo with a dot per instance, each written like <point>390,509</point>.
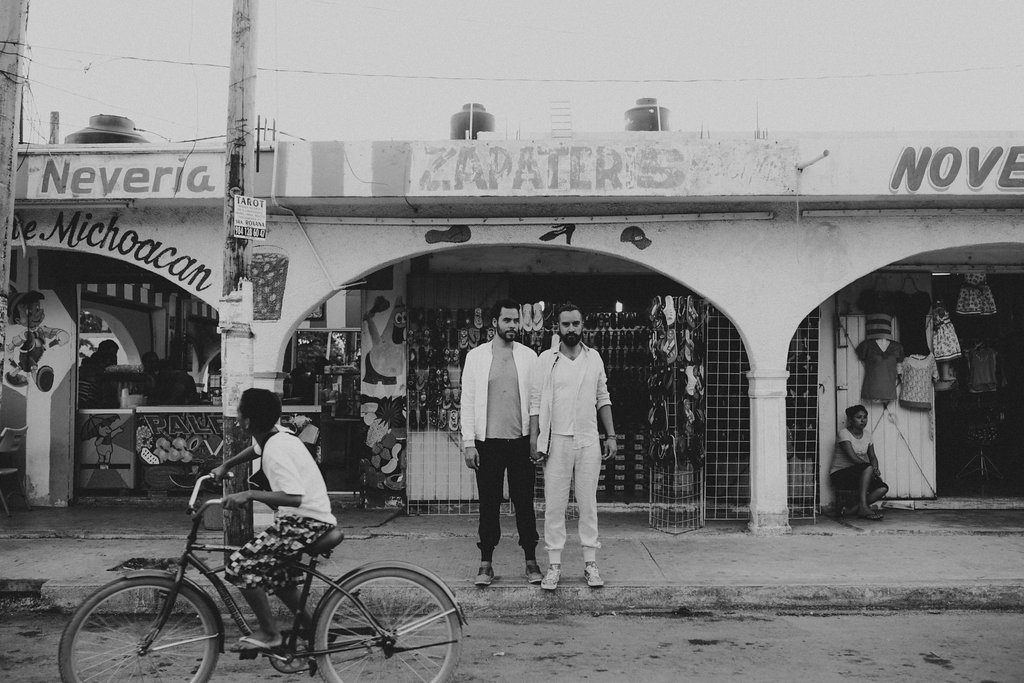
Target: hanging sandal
<point>670,311</point>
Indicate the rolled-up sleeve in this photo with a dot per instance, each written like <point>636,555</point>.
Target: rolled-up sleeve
<point>468,406</point>
<point>603,397</point>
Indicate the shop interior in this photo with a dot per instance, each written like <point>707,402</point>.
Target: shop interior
<point>979,424</point>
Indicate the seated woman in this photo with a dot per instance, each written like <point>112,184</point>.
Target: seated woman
<point>855,466</point>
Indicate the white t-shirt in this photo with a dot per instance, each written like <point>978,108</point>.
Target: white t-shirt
<point>291,469</point>
<point>566,376</point>
<point>860,445</point>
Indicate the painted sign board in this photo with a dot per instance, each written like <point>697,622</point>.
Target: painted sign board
<point>641,167</point>
<point>120,176</point>
<point>249,219</point>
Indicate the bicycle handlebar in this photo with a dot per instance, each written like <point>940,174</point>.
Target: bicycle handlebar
<point>195,493</point>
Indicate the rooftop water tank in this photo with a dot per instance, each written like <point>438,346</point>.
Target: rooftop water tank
<point>106,129</point>
<point>471,120</point>
<point>647,115</point>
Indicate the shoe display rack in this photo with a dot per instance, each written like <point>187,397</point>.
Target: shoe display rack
<point>675,413</point>
<point>623,342</point>
<point>438,340</point>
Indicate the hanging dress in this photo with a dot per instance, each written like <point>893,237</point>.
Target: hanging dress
<point>945,343</point>
<point>975,296</point>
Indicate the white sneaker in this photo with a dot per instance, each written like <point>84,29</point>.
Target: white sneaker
<point>550,581</point>
<point>592,576</point>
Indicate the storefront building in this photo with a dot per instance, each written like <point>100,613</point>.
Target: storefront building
<point>769,253</point>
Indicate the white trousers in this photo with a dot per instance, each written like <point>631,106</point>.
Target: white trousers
<point>563,462</point>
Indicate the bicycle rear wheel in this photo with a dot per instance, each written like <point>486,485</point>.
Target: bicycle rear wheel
<point>102,642</point>
<point>424,634</point>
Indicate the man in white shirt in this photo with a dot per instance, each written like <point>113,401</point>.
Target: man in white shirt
<point>495,437</point>
<point>568,393</point>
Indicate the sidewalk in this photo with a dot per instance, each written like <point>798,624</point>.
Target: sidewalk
<point>914,559</point>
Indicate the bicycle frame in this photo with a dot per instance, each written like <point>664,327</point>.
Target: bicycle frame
<point>189,558</point>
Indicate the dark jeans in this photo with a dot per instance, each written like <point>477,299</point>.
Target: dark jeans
<point>496,457</point>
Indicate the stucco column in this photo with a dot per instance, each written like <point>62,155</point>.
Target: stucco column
<point>769,513</point>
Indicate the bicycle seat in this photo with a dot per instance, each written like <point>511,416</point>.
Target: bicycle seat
<point>326,543</point>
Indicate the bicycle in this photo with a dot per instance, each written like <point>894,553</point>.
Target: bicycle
<point>386,620</point>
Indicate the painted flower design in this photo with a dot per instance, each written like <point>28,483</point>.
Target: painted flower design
<point>391,411</point>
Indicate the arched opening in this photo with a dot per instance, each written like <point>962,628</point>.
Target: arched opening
<point>946,423</point>
<point>695,422</point>
<point>129,375</point>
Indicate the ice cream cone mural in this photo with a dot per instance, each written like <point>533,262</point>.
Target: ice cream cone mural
<point>269,272</point>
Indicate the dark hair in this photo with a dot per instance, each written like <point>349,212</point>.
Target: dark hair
<point>150,359</point>
<point>565,308</point>
<point>853,410</point>
<point>262,407</point>
<point>503,303</point>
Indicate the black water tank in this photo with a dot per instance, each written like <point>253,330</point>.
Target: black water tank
<point>647,115</point>
<point>106,129</point>
<point>481,121</point>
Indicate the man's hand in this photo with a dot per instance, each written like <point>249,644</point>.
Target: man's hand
<point>233,501</point>
<point>608,448</point>
<point>218,473</point>
<point>472,457</point>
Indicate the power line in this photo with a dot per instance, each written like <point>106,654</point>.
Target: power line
<point>596,81</point>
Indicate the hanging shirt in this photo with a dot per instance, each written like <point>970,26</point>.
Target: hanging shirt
<point>881,368</point>
<point>916,382</point>
<point>982,375</point>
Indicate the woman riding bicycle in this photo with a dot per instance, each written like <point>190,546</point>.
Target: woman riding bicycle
<point>298,495</point>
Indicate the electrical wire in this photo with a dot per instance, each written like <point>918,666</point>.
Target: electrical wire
<point>595,81</point>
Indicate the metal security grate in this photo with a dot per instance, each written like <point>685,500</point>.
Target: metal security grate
<point>727,480</point>
<point>802,420</point>
<point>727,485</point>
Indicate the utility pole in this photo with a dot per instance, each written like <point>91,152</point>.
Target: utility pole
<point>236,311</point>
<point>13,25</point>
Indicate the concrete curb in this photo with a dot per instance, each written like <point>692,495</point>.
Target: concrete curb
<point>574,597</point>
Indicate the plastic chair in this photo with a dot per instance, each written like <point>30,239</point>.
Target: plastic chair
<point>12,439</point>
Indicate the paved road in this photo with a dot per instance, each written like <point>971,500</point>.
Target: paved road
<point>932,647</point>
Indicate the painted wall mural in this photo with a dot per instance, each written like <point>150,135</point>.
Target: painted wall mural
<point>382,399</point>
<point>29,340</point>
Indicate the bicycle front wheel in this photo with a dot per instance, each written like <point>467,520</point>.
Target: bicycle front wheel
<point>423,634</point>
<point>105,639</point>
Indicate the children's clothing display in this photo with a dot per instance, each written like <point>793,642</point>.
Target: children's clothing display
<point>947,376</point>
<point>981,362</point>
<point>975,296</point>
<point>916,382</point>
<point>945,343</point>
<point>881,368</point>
